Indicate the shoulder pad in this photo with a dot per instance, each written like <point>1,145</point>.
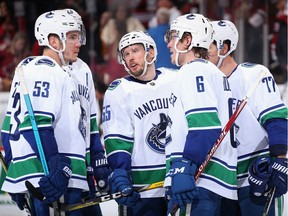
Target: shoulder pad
<point>114,84</point>
<point>45,61</point>
<point>27,60</point>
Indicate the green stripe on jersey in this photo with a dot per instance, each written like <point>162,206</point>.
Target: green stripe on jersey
<point>32,165</point>
<point>243,165</point>
<point>148,176</point>
<point>221,172</point>
<point>280,114</point>
<point>93,125</point>
<point>40,119</point>
<point>6,123</point>
<point>205,119</point>
<point>112,145</point>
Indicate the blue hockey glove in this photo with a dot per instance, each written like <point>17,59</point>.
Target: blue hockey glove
<point>183,189</point>
<point>91,182</point>
<point>120,181</point>
<point>19,199</point>
<point>54,185</point>
<point>259,173</point>
<point>102,171</point>
<point>278,177</point>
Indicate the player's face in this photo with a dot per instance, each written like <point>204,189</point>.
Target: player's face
<point>213,54</point>
<point>72,46</point>
<point>134,58</point>
<point>173,43</point>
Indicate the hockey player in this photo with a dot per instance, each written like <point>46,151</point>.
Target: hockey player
<point>60,117</point>
<point>261,128</point>
<point>137,126</point>
<point>82,75</point>
<point>204,94</point>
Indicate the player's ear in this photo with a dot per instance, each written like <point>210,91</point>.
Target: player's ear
<point>54,41</point>
<point>225,49</point>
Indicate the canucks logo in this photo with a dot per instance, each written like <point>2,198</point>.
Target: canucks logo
<point>158,136</point>
<point>82,123</point>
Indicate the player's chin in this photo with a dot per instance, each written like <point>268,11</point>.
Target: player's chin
<point>73,58</point>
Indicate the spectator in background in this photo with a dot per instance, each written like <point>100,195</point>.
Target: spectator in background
<point>17,50</point>
<point>119,24</point>
<point>158,33</point>
<point>171,6</point>
<point>7,27</point>
<point>279,41</point>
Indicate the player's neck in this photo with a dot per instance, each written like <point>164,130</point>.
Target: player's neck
<point>52,54</point>
<point>228,65</point>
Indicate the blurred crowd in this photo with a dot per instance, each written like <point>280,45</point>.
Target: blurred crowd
<point>107,21</point>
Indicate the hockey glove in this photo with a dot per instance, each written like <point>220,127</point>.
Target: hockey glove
<point>278,177</point>
<point>91,182</point>
<point>120,181</point>
<point>102,171</point>
<point>54,185</point>
<point>259,173</point>
<point>183,189</point>
<point>19,199</point>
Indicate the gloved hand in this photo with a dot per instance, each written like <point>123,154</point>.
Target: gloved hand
<point>278,177</point>
<point>19,198</point>
<point>54,185</point>
<point>183,189</point>
<point>259,173</point>
<point>91,182</point>
<point>102,171</point>
<point>120,181</point>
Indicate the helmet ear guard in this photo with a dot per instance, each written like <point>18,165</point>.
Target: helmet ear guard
<point>225,30</point>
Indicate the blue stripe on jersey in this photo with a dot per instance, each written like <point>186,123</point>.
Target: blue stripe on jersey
<point>40,113</point>
<point>115,136</point>
<point>264,112</point>
<point>149,167</point>
<point>201,110</point>
<point>218,182</point>
<point>224,163</point>
<point>32,176</point>
<point>253,153</point>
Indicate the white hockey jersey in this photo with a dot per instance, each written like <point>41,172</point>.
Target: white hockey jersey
<point>137,129</point>
<point>265,103</point>
<point>82,75</point>
<point>204,93</point>
<point>56,104</point>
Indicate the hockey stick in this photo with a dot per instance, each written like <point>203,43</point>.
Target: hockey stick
<point>93,201</point>
<point>269,201</point>
<point>20,72</point>
<point>226,129</point>
<point>4,165</point>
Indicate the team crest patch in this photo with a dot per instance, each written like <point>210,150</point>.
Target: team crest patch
<point>159,136</point>
<point>45,62</point>
<point>114,84</point>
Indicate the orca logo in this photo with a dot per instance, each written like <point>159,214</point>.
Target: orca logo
<point>158,137</point>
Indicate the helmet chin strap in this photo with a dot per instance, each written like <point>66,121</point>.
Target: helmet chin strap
<point>180,51</point>
<point>145,66</point>
<point>219,63</point>
<point>60,53</point>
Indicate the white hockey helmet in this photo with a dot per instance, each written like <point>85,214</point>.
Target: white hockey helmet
<point>79,19</point>
<point>196,24</point>
<point>225,30</point>
<point>54,22</point>
<point>137,37</point>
